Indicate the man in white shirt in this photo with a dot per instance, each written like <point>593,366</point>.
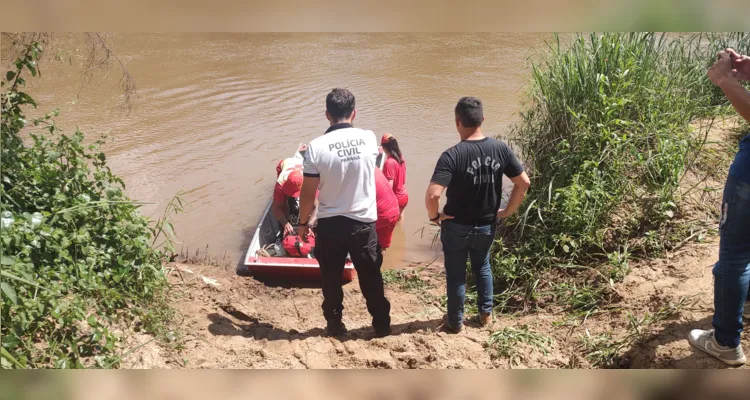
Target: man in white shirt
<point>341,164</point>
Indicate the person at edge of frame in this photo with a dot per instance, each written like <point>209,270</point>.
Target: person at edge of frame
<point>732,270</point>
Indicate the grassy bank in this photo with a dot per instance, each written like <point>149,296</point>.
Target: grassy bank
<point>78,259</point>
<point>612,127</point>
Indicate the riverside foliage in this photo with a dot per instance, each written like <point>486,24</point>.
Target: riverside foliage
<point>608,132</point>
<point>78,259</point>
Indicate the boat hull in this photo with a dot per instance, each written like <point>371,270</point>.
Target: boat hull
<point>291,268</point>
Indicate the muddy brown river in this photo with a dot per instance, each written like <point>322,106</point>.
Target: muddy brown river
<point>215,113</point>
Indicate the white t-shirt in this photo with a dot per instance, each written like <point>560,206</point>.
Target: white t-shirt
<point>344,159</point>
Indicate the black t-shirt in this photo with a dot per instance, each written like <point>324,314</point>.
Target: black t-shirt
<point>473,172</point>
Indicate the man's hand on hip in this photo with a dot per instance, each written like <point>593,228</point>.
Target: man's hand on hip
<point>441,217</point>
<point>504,213</point>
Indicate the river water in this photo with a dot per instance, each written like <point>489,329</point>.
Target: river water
<point>215,113</point>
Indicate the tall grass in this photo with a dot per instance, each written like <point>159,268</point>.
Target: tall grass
<point>606,135</point>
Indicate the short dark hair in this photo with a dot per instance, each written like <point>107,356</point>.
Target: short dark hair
<point>340,103</point>
<point>469,111</point>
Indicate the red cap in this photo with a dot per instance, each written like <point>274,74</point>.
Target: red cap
<point>387,137</point>
<point>293,184</point>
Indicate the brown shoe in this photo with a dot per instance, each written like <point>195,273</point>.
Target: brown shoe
<point>450,329</point>
<point>485,318</point>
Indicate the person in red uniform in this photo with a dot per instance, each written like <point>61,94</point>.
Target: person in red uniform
<point>285,206</point>
<point>394,170</point>
<point>388,211</point>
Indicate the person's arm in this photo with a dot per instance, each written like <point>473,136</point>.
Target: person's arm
<point>432,203</point>
<point>389,171</point>
<point>513,169</point>
<point>738,96</point>
<point>307,202</point>
<point>441,178</point>
<point>280,210</point>
<point>314,215</point>
<point>307,197</point>
<point>279,213</point>
<point>724,75</point>
<point>521,184</point>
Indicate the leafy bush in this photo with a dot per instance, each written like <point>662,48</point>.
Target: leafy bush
<point>606,134</point>
<point>77,256</point>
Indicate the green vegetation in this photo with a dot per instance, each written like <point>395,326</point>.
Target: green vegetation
<point>613,125</point>
<point>406,279</point>
<point>505,342</point>
<point>409,280</point>
<point>583,298</point>
<point>605,351</point>
<point>78,259</point>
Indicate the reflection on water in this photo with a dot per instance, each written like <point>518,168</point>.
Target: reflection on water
<point>216,112</point>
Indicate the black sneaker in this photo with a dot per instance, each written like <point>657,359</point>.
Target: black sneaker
<point>383,332</point>
<point>335,328</point>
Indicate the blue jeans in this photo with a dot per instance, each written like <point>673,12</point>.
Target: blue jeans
<point>460,242</point>
<point>732,271</point>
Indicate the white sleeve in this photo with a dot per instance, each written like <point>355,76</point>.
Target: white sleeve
<point>308,165</point>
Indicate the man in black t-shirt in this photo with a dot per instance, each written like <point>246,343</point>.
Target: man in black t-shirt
<point>473,172</point>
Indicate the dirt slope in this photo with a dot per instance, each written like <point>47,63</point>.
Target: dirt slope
<point>244,323</point>
<point>239,322</point>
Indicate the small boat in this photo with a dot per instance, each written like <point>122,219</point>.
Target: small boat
<point>262,260</point>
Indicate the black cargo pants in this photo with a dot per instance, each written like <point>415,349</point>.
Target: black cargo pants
<point>335,238</point>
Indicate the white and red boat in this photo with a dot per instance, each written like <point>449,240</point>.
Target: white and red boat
<point>261,260</point>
